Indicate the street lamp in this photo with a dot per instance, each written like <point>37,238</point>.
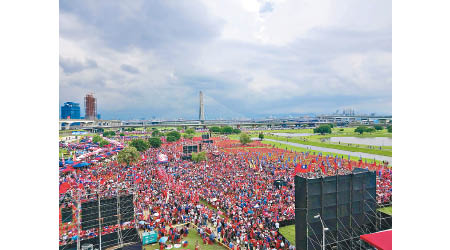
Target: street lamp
<point>323,230</point>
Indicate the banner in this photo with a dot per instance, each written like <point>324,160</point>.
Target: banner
<point>162,158</point>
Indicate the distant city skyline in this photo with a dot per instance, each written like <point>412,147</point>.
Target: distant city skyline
<point>67,109</point>
<point>251,59</point>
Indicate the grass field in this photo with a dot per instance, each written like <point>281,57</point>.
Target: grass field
<point>301,130</point>
<point>386,210</point>
<point>64,152</point>
<point>307,141</point>
<point>210,206</point>
<point>289,233</point>
<point>191,238</point>
<point>299,149</point>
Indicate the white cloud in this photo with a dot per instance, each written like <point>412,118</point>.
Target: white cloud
<point>249,57</point>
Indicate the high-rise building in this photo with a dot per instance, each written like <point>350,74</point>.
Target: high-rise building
<point>70,110</point>
<point>90,105</point>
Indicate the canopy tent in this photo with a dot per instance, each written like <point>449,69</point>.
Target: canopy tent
<point>80,165</point>
<point>381,240</point>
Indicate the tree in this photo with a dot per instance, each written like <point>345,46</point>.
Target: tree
<point>174,134</point>
<point>361,129</point>
<point>198,157</point>
<point>188,136</point>
<point>122,134</point>
<point>97,139</point>
<point>171,138</point>
<point>331,125</point>
<point>236,131</point>
<point>155,142</point>
<point>103,143</point>
<point>244,138</point>
<point>128,156</point>
<point>190,131</point>
<point>109,133</point>
<point>389,128</point>
<point>227,130</point>
<point>323,129</point>
<point>140,145</point>
<point>155,133</point>
<point>370,130</point>
<point>215,129</point>
<point>378,127</point>
<point>261,136</point>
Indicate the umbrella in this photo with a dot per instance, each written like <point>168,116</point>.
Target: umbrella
<point>142,222</point>
<point>155,214</point>
<point>163,239</point>
<point>250,212</point>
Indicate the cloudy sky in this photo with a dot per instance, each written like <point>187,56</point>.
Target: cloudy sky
<point>251,58</point>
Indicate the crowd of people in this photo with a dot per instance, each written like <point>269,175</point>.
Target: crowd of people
<point>232,195</point>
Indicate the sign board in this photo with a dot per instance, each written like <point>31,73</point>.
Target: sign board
<point>149,238</point>
<point>79,132</point>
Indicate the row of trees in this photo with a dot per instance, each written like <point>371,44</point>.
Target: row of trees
<point>326,129</point>
<point>362,129</point>
<point>109,133</point>
<point>142,145</point>
<point>225,130</point>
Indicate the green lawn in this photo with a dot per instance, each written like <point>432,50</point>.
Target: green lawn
<point>299,149</point>
<point>64,152</point>
<point>289,233</point>
<point>210,206</point>
<point>191,238</point>
<point>301,130</point>
<point>386,210</point>
<point>307,141</point>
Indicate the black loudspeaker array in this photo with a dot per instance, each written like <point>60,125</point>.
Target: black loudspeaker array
<point>89,215</point>
<point>126,208</point>
<point>66,215</point>
<point>346,204</point>
<point>108,210</point>
<point>190,149</point>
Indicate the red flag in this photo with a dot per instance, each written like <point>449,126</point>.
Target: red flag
<point>298,169</point>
